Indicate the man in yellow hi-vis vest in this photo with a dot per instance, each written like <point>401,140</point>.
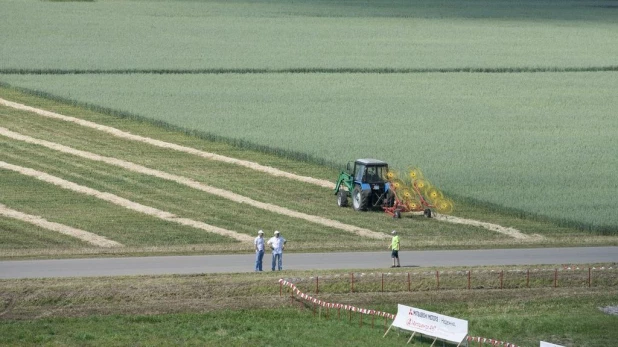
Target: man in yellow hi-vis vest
<point>394,246</point>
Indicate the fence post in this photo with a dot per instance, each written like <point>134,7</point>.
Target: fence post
<point>408,281</point>
<point>438,279</point>
<point>352,282</point>
<point>555,278</point>
<point>501,278</point>
<point>468,279</point>
<point>589,278</point>
<point>317,286</point>
<point>527,278</point>
<point>382,281</point>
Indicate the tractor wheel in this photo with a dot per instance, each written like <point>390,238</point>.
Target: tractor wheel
<point>359,199</point>
<point>427,213</point>
<point>342,198</point>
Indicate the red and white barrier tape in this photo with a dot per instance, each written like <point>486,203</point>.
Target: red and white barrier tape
<point>492,342</point>
<point>313,300</point>
<point>334,305</point>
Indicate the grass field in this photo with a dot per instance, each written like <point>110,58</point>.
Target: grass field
<point>507,106</point>
<point>517,141</point>
<point>109,34</point>
<point>140,232</point>
<point>241,309</point>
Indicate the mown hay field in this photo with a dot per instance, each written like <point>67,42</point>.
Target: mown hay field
<point>533,138</point>
<point>89,158</point>
<point>541,143</point>
<point>382,79</point>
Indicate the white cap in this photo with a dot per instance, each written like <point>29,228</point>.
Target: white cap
<point>277,232</point>
<point>394,232</point>
<point>260,232</point>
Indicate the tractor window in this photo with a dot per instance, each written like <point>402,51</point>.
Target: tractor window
<point>376,173</point>
<point>359,172</point>
<point>381,172</point>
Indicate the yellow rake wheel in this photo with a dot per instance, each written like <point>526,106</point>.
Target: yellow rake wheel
<point>391,175</point>
<point>415,174</point>
<point>433,195</point>
<point>397,184</point>
<point>422,185</point>
<point>444,206</point>
<point>414,205</point>
<point>406,194</point>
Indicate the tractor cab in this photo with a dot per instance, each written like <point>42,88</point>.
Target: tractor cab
<point>369,171</point>
<point>365,181</point>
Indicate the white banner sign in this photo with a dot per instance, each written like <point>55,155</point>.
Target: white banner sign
<point>547,344</point>
<point>430,323</point>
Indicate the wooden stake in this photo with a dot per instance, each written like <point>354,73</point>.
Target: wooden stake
<point>389,328</point>
<point>410,339</point>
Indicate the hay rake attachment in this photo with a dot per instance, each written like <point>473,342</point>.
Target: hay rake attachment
<point>418,195</point>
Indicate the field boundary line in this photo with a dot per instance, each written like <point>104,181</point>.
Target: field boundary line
<point>168,145</point>
<point>251,165</point>
<point>195,185</point>
<point>308,70</point>
<point>117,200</point>
<point>83,235</point>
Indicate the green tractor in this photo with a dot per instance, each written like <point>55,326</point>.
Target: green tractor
<point>365,181</point>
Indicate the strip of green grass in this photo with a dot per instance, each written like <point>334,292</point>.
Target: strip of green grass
<point>241,309</point>
<point>17,235</point>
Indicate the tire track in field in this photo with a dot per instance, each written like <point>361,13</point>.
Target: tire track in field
<point>195,185</point>
<point>162,144</point>
<point>252,165</point>
<point>131,205</point>
<point>86,236</point>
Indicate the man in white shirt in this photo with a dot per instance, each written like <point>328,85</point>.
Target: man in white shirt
<point>259,250</point>
<point>277,244</point>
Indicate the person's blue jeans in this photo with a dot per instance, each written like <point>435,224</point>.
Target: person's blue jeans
<point>278,261</point>
<point>259,255</point>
